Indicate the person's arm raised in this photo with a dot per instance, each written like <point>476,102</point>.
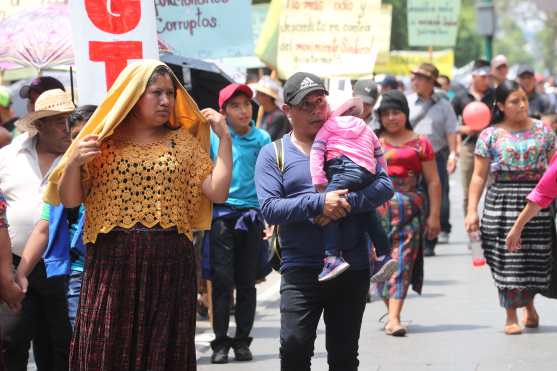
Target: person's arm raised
<point>70,186</point>
<point>217,184</point>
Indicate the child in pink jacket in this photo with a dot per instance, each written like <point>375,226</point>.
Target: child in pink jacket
<point>345,155</point>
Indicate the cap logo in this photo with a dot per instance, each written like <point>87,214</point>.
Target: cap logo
<point>367,90</point>
<point>307,83</point>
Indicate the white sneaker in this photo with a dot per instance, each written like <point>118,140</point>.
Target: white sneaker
<point>443,238</point>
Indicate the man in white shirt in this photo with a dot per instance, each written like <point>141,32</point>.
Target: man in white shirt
<point>25,165</point>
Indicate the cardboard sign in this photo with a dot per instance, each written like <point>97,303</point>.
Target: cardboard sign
<point>107,35</point>
<point>433,22</point>
<point>332,38</point>
<point>206,29</point>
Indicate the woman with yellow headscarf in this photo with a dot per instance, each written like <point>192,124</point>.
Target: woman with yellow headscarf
<point>142,169</point>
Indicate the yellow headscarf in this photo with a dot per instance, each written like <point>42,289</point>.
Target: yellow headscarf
<point>119,101</point>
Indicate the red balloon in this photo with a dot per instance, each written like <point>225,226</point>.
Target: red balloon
<point>477,115</point>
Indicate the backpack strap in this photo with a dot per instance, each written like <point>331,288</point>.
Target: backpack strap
<point>279,153</point>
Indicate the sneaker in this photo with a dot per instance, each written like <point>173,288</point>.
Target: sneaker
<point>383,269</point>
<point>334,266</point>
<point>443,238</point>
<point>429,251</point>
<point>242,353</point>
<point>220,355</point>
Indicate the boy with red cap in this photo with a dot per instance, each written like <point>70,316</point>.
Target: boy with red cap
<point>237,228</point>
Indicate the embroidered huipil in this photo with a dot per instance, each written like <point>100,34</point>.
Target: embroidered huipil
<point>154,184</point>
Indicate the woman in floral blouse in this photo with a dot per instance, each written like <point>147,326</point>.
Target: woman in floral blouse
<point>515,150</point>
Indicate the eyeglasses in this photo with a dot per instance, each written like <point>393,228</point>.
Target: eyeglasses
<point>309,107</point>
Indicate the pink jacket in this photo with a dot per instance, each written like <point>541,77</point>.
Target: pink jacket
<point>344,136</point>
<point>546,190</point>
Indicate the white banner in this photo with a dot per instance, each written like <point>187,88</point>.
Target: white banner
<point>107,34</point>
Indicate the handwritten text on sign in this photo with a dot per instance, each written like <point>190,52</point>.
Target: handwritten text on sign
<point>433,22</point>
<point>329,38</point>
<point>111,33</point>
<point>206,28</point>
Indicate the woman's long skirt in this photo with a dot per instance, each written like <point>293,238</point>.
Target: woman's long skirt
<point>137,305</point>
<point>402,218</point>
<point>522,274</point>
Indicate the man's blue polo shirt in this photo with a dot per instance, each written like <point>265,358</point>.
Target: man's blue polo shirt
<point>245,149</point>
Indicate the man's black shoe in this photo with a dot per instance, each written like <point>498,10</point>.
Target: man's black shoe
<point>220,356</point>
<point>429,251</point>
<point>242,353</point>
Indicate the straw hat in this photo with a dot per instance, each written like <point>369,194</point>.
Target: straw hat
<point>50,103</point>
<point>270,87</point>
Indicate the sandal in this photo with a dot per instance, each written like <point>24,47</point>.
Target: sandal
<point>513,329</point>
<point>532,323</point>
<point>395,330</point>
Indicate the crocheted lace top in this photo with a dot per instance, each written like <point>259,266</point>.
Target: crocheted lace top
<point>157,183</point>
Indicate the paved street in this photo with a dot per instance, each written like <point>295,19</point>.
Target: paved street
<point>456,325</point>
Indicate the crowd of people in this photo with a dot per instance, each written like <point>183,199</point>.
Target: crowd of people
<point>111,215</point>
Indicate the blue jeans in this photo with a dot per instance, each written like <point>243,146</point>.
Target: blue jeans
<point>73,293</point>
<point>303,300</point>
<point>343,173</point>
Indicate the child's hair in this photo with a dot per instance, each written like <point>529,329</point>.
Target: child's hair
<point>81,113</point>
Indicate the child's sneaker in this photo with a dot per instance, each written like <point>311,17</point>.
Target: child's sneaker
<point>383,268</point>
<point>334,265</point>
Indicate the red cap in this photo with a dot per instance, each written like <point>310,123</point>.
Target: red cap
<point>226,93</point>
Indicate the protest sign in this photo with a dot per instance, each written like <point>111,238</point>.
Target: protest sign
<point>401,63</point>
<point>332,38</point>
<point>206,29</point>
<point>107,35</point>
<point>433,22</point>
<point>9,7</point>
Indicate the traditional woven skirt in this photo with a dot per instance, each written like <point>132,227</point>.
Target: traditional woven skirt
<point>518,275</point>
<point>137,305</point>
<point>402,219</point>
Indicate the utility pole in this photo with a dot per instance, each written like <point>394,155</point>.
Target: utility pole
<point>485,21</point>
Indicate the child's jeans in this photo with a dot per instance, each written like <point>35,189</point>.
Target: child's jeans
<point>343,173</point>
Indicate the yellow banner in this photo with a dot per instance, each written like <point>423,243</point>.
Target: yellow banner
<point>400,63</point>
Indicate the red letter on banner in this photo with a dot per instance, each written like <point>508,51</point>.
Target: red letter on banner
<point>115,55</point>
<point>114,16</point>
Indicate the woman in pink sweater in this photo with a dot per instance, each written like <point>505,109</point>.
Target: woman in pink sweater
<point>345,155</point>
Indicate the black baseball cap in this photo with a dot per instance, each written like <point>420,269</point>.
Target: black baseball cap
<point>367,90</point>
<point>525,69</point>
<point>481,67</point>
<point>40,85</point>
<point>299,85</point>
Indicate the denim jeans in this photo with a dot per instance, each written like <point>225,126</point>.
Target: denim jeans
<point>343,173</point>
<point>74,290</point>
<point>43,320</point>
<point>303,299</point>
<point>234,259</point>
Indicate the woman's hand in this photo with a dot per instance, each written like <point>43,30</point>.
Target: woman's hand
<point>513,239</point>
<point>217,122</point>
<point>472,222</point>
<point>88,148</point>
<point>433,227</point>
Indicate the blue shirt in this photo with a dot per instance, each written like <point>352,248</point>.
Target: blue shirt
<point>288,199</point>
<point>245,149</point>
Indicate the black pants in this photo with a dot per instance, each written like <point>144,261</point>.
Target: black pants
<point>44,320</point>
<point>303,299</point>
<point>234,259</point>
